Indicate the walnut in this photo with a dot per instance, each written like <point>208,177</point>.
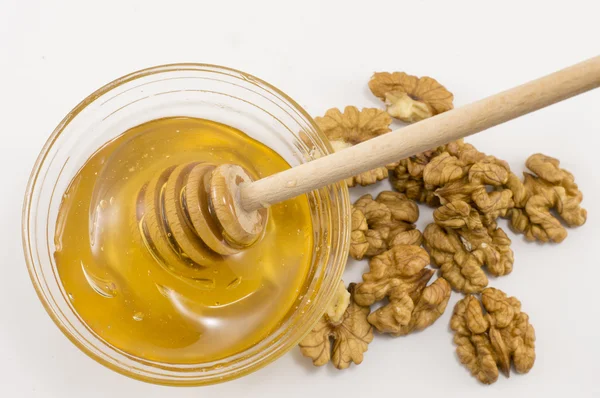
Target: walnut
<point>537,196</point>
<point>460,244</point>
<point>457,265</point>
<point>492,173</point>
<point>407,177</point>
<point>467,153</point>
<point>443,173</point>
<point>352,127</point>
<point>368,177</point>
<point>400,275</point>
<point>548,169</point>
<point>482,187</point>
<point>358,241</point>
<point>413,188</point>
<point>351,332</point>
<point>389,221</point>
<point>488,342</point>
<point>410,98</point>
<point>490,245</point>
<point>443,169</point>
<point>474,349</point>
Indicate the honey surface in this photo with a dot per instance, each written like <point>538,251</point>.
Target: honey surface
<point>136,287</point>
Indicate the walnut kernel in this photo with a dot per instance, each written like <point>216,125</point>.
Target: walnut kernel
<point>410,98</point>
<point>352,334</point>
<point>353,127</point>
<point>552,189</point>
<point>400,275</point>
<point>490,341</point>
<point>390,220</point>
<point>461,245</point>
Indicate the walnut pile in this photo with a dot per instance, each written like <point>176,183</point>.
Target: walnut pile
<point>346,323</point>
<point>552,188</point>
<point>456,171</point>
<point>461,244</point>
<point>470,192</point>
<point>400,275</point>
<point>491,341</point>
<point>353,127</point>
<point>459,172</point>
<point>378,224</point>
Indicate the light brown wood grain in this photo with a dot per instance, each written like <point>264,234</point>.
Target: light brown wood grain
<point>421,136</point>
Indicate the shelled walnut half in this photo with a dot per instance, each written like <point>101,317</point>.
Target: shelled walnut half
<point>400,275</point>
<point>461,245</point>
<point>346,323</point>
<point>351,127</point>
<point>540,201</point>
<point>378,224</point>
<point>463,173</point>
<point>407,177</point>
<point>410,98</point>
<point>491,341</point>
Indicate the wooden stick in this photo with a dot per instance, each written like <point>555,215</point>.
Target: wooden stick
<point>422,136</point>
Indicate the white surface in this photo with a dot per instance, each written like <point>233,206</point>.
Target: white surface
<point>53,54</point>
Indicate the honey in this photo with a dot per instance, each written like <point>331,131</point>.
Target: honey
<point>136,273</point>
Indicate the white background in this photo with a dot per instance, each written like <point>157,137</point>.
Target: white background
<point>322,53</point>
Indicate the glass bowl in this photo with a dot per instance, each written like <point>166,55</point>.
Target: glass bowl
<point>196,90</point>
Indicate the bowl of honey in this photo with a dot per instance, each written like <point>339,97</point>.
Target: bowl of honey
<point>111,236</point>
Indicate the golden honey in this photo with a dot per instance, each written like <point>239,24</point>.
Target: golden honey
<point>135,272</point>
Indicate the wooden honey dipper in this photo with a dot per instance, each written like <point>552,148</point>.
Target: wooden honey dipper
<point>228,208</point>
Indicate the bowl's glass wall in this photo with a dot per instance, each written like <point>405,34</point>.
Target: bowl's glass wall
<point>224,95</point>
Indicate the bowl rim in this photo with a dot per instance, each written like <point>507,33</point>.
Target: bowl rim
<point>35,173</point>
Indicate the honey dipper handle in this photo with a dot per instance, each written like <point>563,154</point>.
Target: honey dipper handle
<point>424,135</point>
